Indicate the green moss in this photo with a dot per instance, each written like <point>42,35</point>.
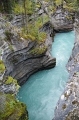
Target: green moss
<point>10,80</point>
<point>27,37</point>
<point>71,6</point>
<point>12,109</point>
<point>38,6</point>
<point>42,37</point>
<point>58,2</point>
<point>2,66</point>
<point>69,17</point>
<point>11,48</point>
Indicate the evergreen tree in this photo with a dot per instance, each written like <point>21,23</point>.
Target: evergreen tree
<point>7,6</point>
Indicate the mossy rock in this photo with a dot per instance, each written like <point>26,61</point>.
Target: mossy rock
<point>12,109</point>
<point>2,66</point>
<point>11,80</point>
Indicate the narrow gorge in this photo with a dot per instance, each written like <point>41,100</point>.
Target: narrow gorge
<point>39,60</point>
<point>43,89</point>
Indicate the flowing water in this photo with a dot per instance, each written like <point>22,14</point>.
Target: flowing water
<point>43,89</point>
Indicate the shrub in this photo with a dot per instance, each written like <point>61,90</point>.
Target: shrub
<point>10,80</point>
<point>11,48</point>
<point>39,50</point>
<point>42,37</point>
<point>12,109</point>
<point>2,66</point>
<point>8,35</point>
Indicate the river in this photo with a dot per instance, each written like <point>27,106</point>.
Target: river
<point>43,89</point>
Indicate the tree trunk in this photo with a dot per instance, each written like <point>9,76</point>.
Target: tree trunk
<point>26,17</point>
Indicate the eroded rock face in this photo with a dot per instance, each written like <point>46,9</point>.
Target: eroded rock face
<point>62,20</point>
<point>68,105</point>
<point>20,62</point>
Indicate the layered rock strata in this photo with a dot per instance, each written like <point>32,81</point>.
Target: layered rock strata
<point>62,20</point>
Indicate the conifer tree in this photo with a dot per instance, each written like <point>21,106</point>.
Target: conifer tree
<point>7,6</point>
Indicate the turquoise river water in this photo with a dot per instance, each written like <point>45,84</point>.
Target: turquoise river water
<point>43,89</point>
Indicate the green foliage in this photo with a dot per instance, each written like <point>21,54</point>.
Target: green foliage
<point>39,23</point>
<point>8,35</point>
<point>27,37</point>
<point>58,2</point>
<point>12,109</point>
<point>71,6</point>
<point>6,6</point>
<point>29,7</point>
<point>39,50</point>
<point>69,17</point>
<point>38,5</point>
<point>34,35</point>
<point>11,48</point>
<point>2,66</point>
<point>19,7</point>
<point>42,37</point>
<point>10,80</point>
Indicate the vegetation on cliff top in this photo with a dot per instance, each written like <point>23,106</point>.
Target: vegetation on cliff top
<point>33,19</point>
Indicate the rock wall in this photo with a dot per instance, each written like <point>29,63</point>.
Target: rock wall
<point>21,63</point>
<point>62,20</point>
<point>68,105</point>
